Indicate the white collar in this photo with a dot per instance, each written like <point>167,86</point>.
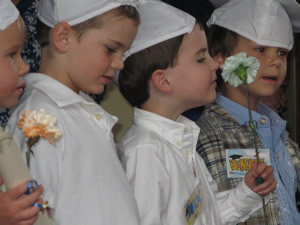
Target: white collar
<point>172,131</point>
<point>58,92</point>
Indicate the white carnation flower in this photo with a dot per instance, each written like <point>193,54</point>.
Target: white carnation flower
<point>239,69</point>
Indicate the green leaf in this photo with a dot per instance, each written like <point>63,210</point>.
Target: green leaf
<point>241,71</point>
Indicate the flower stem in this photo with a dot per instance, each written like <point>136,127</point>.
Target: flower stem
<point>30,142</point>
<point>259,179</point>
<point>28,158</point>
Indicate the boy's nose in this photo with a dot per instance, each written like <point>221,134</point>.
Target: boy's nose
<point>117,63</point>
<point>23,68</point>
<point>214,65</point>
<point>276,61</point>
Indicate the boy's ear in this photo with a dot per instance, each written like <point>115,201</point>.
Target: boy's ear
<point>220,59</point>
<point>61,35</point>
<point>160,80</point>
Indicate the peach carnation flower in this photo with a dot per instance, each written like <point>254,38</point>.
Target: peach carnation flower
<point>38,124</point>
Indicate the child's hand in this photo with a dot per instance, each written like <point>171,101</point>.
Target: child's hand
<point>266,172</point>
<point>16,209</point>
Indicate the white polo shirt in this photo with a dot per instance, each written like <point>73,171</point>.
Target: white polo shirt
<point>165,171</point>
<point>83,179</point>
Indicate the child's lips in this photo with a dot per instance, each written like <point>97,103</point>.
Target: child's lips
<point>107,78</point>
<point>270,78</point>
<point>20,88</point>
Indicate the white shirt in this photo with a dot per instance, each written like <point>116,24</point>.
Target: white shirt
<point>164,170</point>
<point>82,176</point>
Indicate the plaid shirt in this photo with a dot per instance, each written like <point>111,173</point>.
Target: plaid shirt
<point>220,131</point>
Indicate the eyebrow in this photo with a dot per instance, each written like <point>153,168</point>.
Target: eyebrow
<point>121,45</point>
<point>201,51</point>
<point>13,47</point>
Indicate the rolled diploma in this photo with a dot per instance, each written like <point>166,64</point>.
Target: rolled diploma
<point>13,169</point>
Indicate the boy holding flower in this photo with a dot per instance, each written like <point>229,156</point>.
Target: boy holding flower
<point>168,70</point>
<point>261,29</point>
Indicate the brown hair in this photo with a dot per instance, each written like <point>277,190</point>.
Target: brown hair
<point>221,41</point>
<point>139,67</point>
<point>95,22</point>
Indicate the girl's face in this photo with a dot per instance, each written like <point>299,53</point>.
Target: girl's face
<point>12,66</point>
<point>94,59</point>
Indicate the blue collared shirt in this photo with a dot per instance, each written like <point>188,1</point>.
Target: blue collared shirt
<point>270,127</point>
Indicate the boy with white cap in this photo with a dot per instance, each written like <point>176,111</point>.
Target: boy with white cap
<point>82,47</point>
<point>262,29</point>
<point>167,72</point>
<point>14,207</point>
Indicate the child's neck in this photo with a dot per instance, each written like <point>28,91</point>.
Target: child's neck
<point>54,68</point>
<point>162,109</point>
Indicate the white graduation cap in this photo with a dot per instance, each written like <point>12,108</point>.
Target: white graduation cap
<point>266,22</point>
<point>292,8</point>
<point>74,12</point>
<point>8,13</point>
<point>159,22</point>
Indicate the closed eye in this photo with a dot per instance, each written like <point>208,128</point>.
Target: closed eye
<point>110,50</point>
<point>201,60</point>
<point>12,55</point>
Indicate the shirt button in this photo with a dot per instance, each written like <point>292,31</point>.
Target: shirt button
<point>98,117</point>
<point>186,152</point>
<point>186,130</point>
<point>263,121</point>
<point>277,155</point>
<point>178,143</point>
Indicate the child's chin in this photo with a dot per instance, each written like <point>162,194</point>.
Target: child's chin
<point>9,104</point>
<point>97,91</point>
<point>212,98</point>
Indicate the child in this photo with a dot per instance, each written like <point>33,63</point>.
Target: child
<point>82,47</point>
<point>261,29</point>
<point>13,208</point>
<point>168,72</point>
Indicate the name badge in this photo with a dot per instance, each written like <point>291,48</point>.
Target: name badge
<point>239,161</point>
<point>194,206</point>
